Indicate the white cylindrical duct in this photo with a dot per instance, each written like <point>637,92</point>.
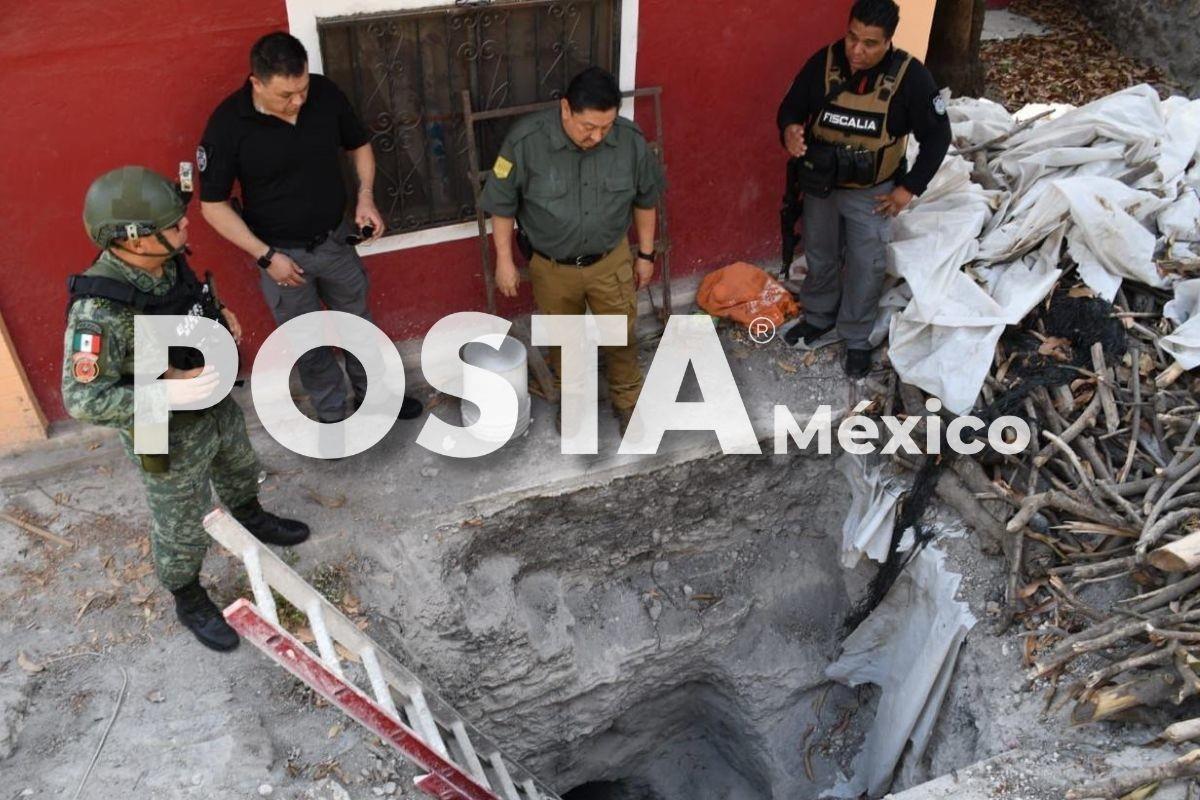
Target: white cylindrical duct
<point>510,362</point>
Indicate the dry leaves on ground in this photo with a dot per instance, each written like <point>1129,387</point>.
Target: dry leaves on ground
<point>1074,63</point>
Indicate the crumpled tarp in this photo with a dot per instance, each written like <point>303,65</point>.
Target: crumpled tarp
<point>1184,341</point>
<point>908,647</point>
<point>1180,221</point>
<point>943,341</point>
<point>874,495</point>
<point>1114,181</point>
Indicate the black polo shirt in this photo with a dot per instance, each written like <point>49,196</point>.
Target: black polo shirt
<point>291,175</point>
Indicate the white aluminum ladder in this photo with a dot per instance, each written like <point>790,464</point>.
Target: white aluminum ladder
<point>463,763</point>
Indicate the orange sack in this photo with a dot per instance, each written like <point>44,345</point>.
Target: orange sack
<point>742,292</point>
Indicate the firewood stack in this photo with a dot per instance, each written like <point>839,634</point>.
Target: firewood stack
<point>1108,491</point>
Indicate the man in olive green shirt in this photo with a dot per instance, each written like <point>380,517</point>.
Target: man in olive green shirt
<point>576,176</point>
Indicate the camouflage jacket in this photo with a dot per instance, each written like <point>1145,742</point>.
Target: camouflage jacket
<point>97,377</point>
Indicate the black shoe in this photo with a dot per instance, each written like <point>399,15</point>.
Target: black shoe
<point>201,616</point>
<point>269,528</point>
<point>411,409</point>
<point>858,363</point>
<point>806,333</point>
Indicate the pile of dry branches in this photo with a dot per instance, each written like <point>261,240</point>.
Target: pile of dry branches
<point>1108,491</point>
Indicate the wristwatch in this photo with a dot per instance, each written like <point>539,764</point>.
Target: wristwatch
<point>647,256</point>
<point>264,260</point>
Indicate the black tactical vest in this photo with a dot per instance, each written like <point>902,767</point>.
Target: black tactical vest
<point>187,297</point>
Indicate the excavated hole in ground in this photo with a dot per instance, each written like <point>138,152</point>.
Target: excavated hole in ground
<point>660,637</point>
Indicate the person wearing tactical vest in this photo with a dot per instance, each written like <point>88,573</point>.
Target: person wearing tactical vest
<point>137,218</point>
<point>847,119</point>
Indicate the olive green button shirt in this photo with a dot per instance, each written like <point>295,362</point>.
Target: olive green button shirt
<point>572,202</point>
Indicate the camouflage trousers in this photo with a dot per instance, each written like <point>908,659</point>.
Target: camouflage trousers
<point>204,446</point>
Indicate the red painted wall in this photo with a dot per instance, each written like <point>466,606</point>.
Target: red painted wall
<point>91,86</point>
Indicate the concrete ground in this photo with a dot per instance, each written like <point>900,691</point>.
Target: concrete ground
<point>1004,24</point>
<point>93,664</point>
<point>1045,774</point>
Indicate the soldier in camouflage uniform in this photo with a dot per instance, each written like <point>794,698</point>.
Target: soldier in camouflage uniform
<point>137,218</point>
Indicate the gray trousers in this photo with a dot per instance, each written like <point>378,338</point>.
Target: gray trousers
<point>335,279</point>
<point>845,222</point>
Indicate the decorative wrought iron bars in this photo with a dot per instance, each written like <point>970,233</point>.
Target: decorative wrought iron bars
<point>405,73</point>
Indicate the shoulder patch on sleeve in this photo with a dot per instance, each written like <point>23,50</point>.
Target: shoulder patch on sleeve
<point>85,367</point>
<point>86,338</point>
<point>939,105</point>
<point>202,157</point>
<point>502,167</point>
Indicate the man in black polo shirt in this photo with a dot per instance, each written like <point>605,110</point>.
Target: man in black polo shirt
<point>281,137</point>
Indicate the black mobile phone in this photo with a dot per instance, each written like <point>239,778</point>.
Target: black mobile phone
<point>364,233</point>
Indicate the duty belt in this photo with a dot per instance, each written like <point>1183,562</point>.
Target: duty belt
<point>573,261</point>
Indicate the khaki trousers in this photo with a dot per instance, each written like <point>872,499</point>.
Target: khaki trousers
<point>605,287</point>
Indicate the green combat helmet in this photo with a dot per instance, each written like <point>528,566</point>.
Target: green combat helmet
<point>131,202</point>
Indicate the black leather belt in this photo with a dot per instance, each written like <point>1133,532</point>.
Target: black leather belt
<point>574,261</point>
<point>310,245</point>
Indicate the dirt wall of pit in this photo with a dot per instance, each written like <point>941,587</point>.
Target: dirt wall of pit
<point>667,631</point>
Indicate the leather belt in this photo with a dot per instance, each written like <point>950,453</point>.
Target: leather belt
<point>310,245</point>
<point>573,261</point>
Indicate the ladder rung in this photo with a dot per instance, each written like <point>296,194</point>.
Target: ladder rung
<point>531,791</point>
<point>316,620</point>
<point>468,750</point>
<point>506,783</point>
<point>258,584</point>
<point>383,695</point>
<point>428,726</point>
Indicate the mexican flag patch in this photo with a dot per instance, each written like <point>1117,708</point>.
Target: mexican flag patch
<point>86,343</point>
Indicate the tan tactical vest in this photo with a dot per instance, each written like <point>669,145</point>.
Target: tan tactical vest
<point>860,120</point>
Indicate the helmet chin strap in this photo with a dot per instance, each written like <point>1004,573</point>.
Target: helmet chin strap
<point>171,251</point>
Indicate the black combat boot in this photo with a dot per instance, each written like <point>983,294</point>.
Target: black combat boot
<point>411,408</point>
<point>858,363</point>
<point>804,335</point>
<point>269,528</point>
<point>201,616</point>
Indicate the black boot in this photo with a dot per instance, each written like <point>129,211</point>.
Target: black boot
<point>858,363</point>
<point>805,335</point>
<point>269,528</point>
<point>411,408</point>
<point>201,616</point>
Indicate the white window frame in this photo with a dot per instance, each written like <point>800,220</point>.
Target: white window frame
<point>302,21</point>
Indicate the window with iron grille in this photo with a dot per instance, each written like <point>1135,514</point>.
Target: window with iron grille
<point>404,72</point>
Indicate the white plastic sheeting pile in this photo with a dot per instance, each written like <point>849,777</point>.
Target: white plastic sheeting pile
<point>908,647</point>
<point>874,495</point>
<point>1184,342</point>
<point>1063,178</point>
